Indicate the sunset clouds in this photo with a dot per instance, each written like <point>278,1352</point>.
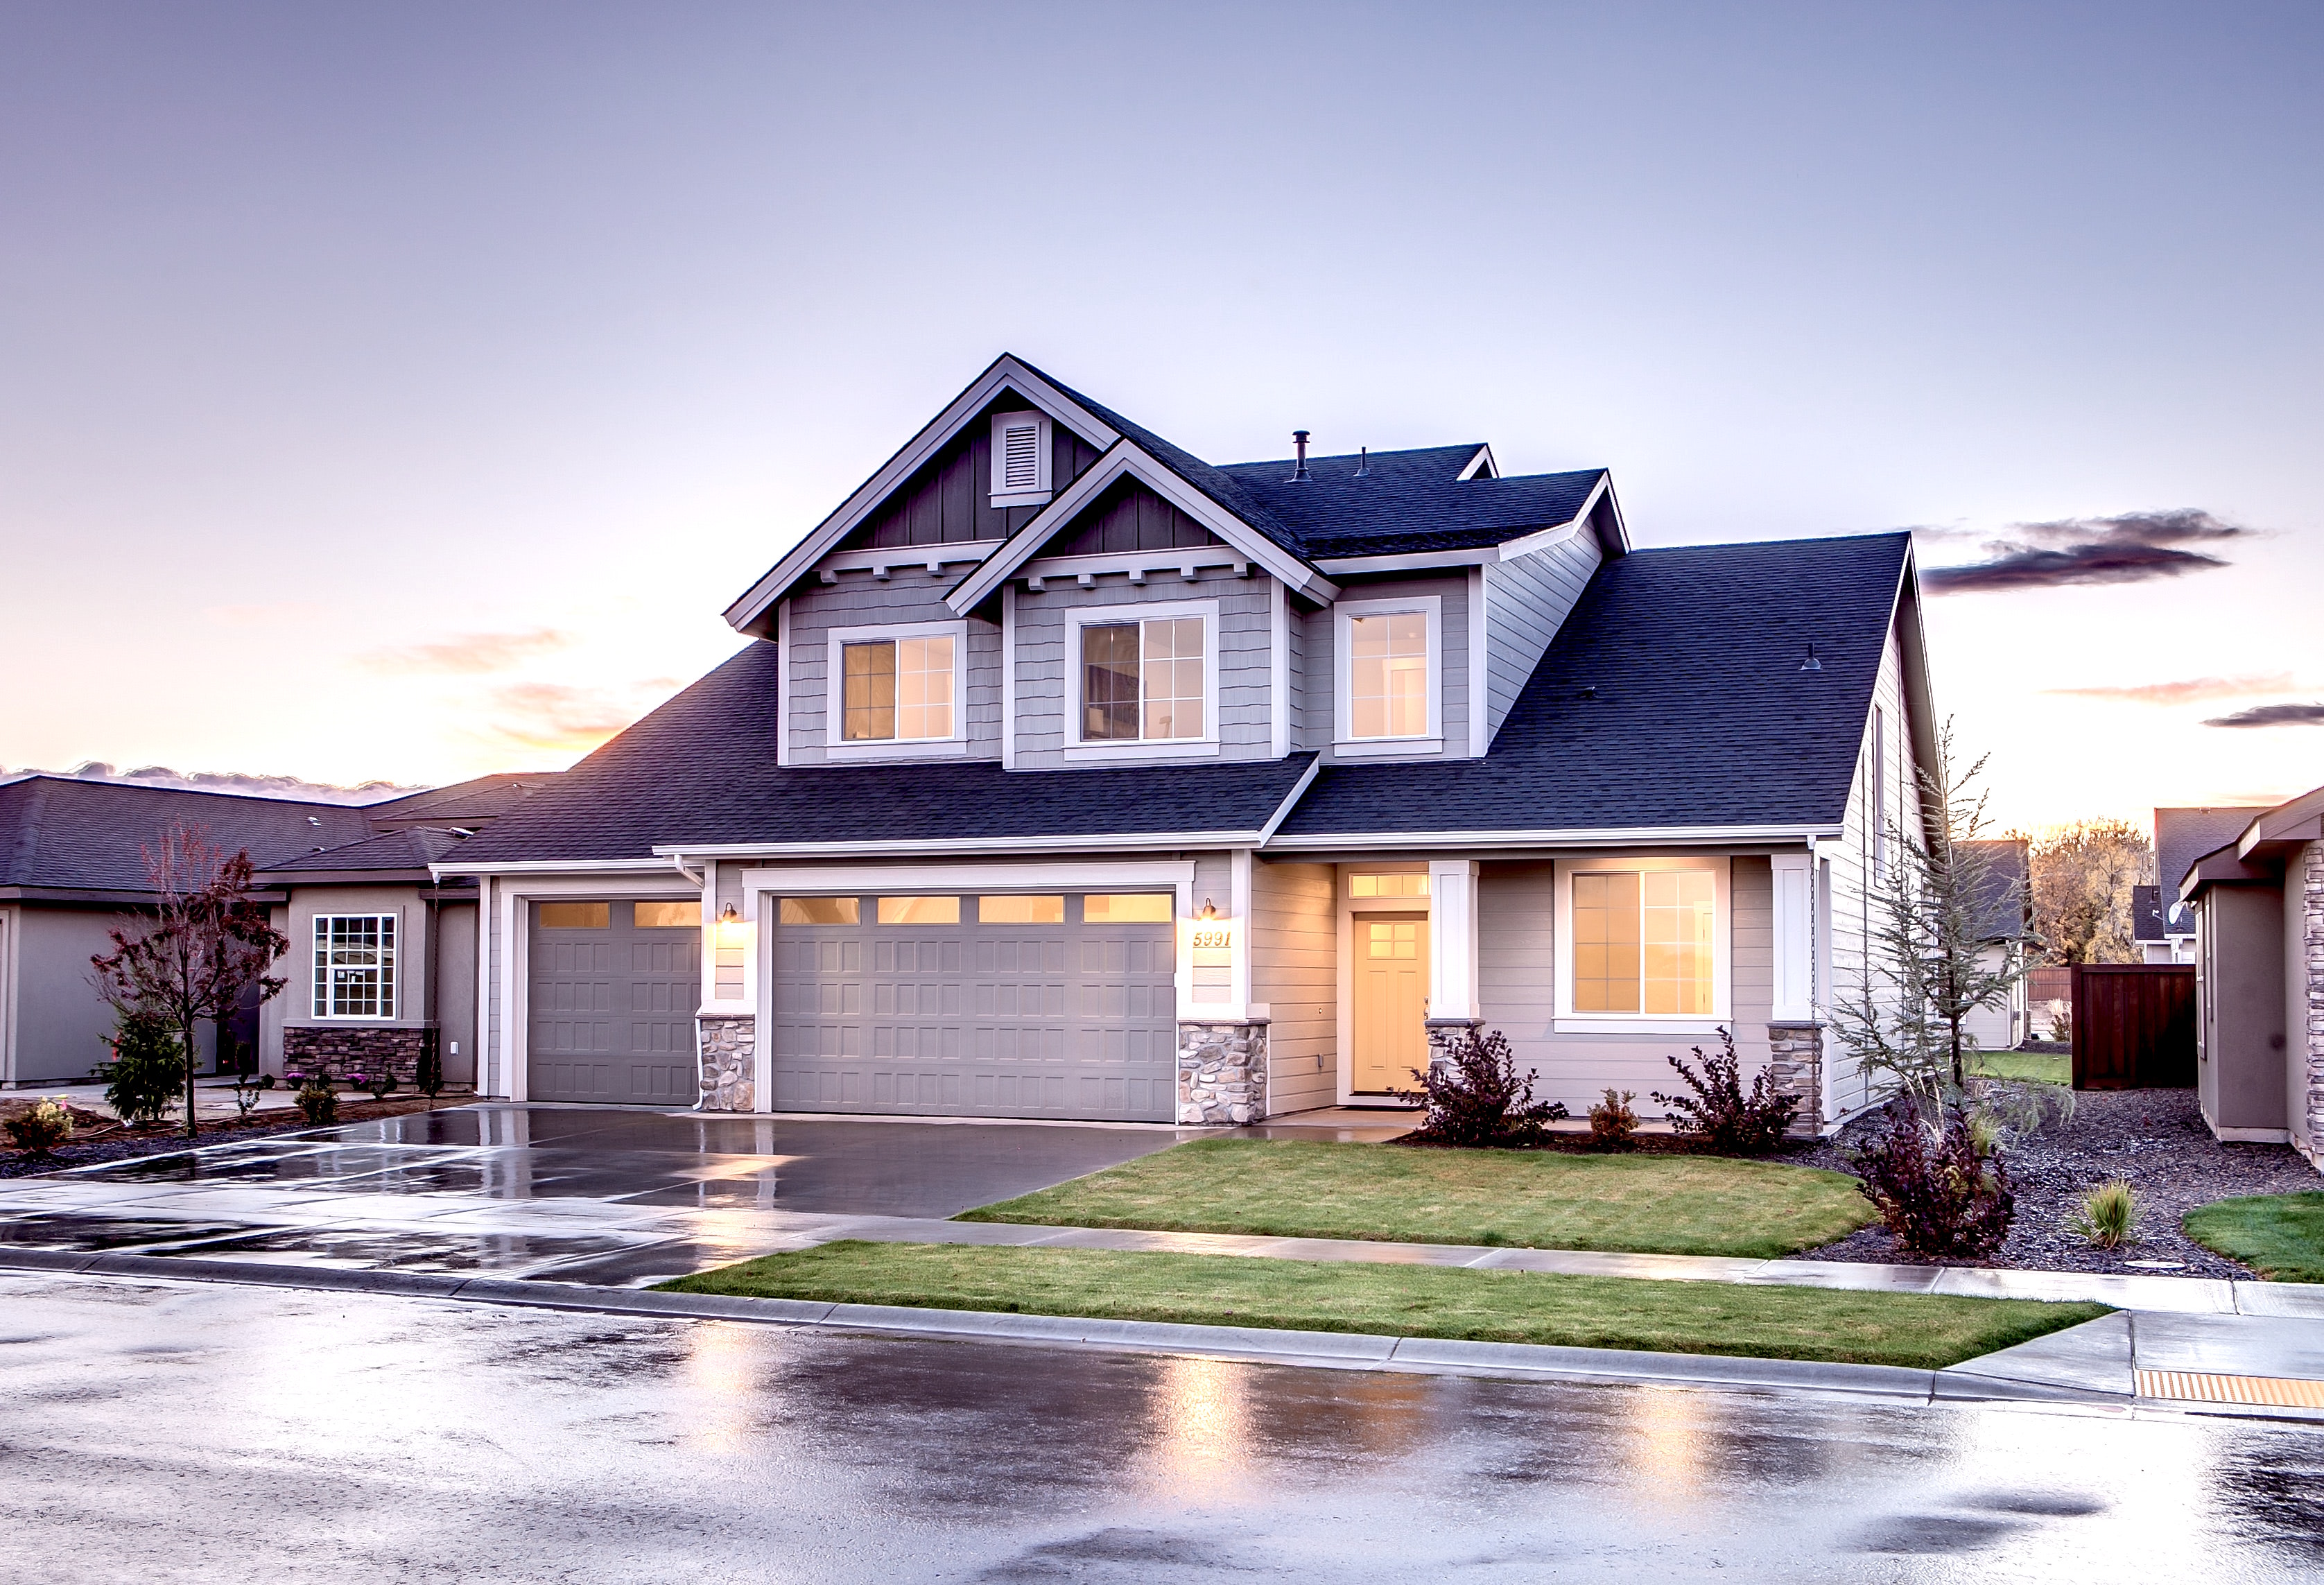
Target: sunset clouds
<point>466,654</point>
<point>2194,691</point>
<point>2273,715</point>
<point>2130,548</point>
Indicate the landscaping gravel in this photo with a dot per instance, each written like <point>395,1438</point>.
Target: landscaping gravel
<point>2156,1138</point>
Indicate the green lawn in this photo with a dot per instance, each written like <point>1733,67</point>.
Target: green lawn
<point>2039,1067</point>
<point>2279,1236</point>
<point>1540,1199</point>
<point>1922,1329</point>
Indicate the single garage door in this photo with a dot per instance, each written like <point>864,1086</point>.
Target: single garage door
<point>994,1006</point>
<point>612,988</point>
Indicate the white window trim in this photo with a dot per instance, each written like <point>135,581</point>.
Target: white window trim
<point>834,714</point>
<point>1722,952</point>
<point>1345,744</point>
<point>1130,750</point>
<point>318,926</point>
<point>998,485</point>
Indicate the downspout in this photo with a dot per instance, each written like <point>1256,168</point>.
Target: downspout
<point>678,861</point>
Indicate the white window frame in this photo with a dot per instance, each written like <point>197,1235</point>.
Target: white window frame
<point>838,746</point>
<point>1120,750</point>
<point>1722,950</point>
<point>390,963</point>
<point>998,483</point>
<point>1345,744</point>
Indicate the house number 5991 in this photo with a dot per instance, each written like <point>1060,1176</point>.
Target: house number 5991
<point>1214,938</point>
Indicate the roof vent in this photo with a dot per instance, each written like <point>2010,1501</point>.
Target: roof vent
<point>1363,460</point>
<point>314,820</point>
<point>1812,663</point>
<point>1299,470</point>
<point>1587,693</point>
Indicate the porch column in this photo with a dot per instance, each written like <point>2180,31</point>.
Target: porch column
<point>1794,1032</point>
<point>1454,1008</point>
<point>1222,1045</point>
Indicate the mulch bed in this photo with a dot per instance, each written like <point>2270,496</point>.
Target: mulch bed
<point>2156,1138</point>
<point>100,1139</point>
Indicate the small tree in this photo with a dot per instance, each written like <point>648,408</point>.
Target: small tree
<point>1925,971</point>
<point>204,946</point>
<point>2083,873</point>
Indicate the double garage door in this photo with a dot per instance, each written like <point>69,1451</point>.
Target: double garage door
<point>991,1006</point>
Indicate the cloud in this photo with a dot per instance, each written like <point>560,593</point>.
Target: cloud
<point>2273,715</point>
<point>551,716</point>
<point>2195,691</point>
<point>227,781</point>
<point>2130,548</point>
<point>466,654</point>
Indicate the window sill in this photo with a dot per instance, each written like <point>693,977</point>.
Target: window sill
<point>1023,498</point>
<point>1380,748</point>
<point>1136,753</point>
<point>892,749</point>
<point>1638,1024</point>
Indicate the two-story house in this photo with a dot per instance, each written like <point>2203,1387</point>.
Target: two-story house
<point>1069,776</point>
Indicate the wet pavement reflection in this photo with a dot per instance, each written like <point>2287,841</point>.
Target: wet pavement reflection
<point>327,1437</point>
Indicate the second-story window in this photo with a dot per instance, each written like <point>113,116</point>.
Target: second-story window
<point>896,690</point>
<point>1142,681</point>
<point>1387,682</point>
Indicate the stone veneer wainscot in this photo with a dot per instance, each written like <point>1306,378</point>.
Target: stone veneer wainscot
<point>727,1044</point>
<point>1795,1067</point>
<point>339,1050</point>
<point>1222,1073</point>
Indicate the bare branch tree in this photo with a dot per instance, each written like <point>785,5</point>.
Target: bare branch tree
<point>204,945</point>
<point>2083,873</point>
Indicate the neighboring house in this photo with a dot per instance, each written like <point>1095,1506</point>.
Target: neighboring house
<point>381,954</point>
<point>2258,899</point>
<point>2004,926</point>
<point>1067,775</point>
<point>2180,837</point>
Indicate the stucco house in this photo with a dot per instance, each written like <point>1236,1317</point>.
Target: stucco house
<point>381,954</point>
<point>2259,901</point>
<point>2163,924</point>
<point>1066,775</point>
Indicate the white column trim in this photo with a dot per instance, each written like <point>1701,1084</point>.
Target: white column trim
<point>1278,666</point>
<point>1240,888</point>
<point>1452,938</point>
<point>1479,738</point>
<point>1794,904</point>
<point>1009,677</point>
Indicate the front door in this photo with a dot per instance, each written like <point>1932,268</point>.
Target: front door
<point>1391,1001</point>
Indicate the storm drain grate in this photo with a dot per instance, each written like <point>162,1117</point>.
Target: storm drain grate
<point>2275,1392</point>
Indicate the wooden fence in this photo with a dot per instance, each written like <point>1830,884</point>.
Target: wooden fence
<point>2134,1025</point>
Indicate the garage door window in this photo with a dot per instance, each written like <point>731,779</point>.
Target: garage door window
<point>1127,907</point>
<point>672,916</point>
<point>818,910</point>
<point>576,916</point>
<point>919,910</point>
<point>1020,910</point>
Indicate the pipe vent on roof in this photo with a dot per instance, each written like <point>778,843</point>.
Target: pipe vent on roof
<point>1363,461</point>
<point>1299,469</point>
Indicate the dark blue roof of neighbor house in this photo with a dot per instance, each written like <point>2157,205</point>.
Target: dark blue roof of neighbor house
<point>412,849</point>
<point>701,771</point>
<point>62,833</point>
<point>2001,897</point>
<point>1672,697</point>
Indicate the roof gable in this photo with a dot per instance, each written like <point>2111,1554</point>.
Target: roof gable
<point>62,833</point>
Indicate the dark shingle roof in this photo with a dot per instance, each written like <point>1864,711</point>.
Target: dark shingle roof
<point>2000,902</point>
<point>1409,501</point>
<point>1700,714</point>
<point>2182,836</point>
<point>414,849</point>
<point>700,769</point>
<point>2147,922</point>
<point>58,833</point>
<point>467,804</point>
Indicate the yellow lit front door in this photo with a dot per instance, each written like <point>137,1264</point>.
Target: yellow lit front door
<point>1391,999</point>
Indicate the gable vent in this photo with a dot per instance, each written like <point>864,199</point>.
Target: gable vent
<point>1020,460</point>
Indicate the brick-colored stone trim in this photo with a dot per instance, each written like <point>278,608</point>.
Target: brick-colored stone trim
<point>1222,1073</point>
<point>727,1044</point>
<point>1795,1067</point>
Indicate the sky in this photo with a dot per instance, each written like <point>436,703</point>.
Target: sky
<point>400,393</point>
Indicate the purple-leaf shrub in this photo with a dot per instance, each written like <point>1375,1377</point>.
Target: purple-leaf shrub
<point>1720,1115</point>
<point>1480,1097</point>
<point>1934,1191</point>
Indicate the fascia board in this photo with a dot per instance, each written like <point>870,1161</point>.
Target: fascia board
<point>1637,837</point>
<point>657,865</point>
<point>1481,464</point>
<point>1291,799</point>
<point>1100,842</point>
<point>1413,561</point>
<point>1005,373</point>
<point>1126,457</point>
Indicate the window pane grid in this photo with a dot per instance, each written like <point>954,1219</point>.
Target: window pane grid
<point>868,692</point>
<point>1643,941</point>
<point>1144,680</point>
<point>355,966</point>
<point>1388,675</point>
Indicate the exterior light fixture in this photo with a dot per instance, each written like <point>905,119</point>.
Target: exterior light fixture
<point>732,916</point>
<point>1210,909</point>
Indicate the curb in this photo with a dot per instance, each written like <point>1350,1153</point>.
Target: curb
<point>1330,1350</point>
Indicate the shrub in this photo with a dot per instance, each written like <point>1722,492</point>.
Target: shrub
<point>319,1101</point>
<point>2107,1216</point>
<point>2061,1028</point>
<point>1934,1190</point>
<point>1612,1122</point>
<point>382,1084</point>
<point>1719,1114</point>
<point>149,1070</point>
<point>42,1128</point>
<point>1479,1098</point>
<point>428,1077</point>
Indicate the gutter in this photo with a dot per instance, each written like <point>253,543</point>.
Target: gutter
<point>1628,836</point>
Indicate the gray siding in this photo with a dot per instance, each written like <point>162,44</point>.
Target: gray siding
<point>949,500</point>
<point>62,1023</point>
<point>860,599</point>
<point>1525,601</point>
<point>1847,1087</point>
<point>1518,989</point>
<point>1293,972</point>
<point>455,991</point>
<point>1319,667</point>
<point>1047,682</point>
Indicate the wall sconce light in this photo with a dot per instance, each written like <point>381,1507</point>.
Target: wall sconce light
<point>1210,909</point>
<point>732,916</point>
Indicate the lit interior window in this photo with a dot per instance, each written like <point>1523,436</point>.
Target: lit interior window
<point>1142,680</point>
<point>919,910</point>
<point>1020,910</point>
<point>1642,942</point>
<point>1388,886</point>
<point>1388,680</point>
<point>1127,907</point>
<point>818,910</point>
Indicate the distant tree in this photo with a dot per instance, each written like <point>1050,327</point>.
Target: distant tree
<point>201,949</point>
<point>2083,873</point>
<point>1925,971</point>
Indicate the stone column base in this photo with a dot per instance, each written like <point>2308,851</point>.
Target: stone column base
<point>1795,1067</point>
<point>341,1053</point>
<point>728,1045</point>
<point>1222,1073</point>
<point>1447,1036</point>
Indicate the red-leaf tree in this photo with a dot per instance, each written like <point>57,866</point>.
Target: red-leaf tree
<point>203,947</point>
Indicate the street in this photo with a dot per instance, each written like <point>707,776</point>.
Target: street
<point>213,1432</point>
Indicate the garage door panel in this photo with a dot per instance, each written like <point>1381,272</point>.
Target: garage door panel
<point>612,1011</point>
<point>1070,1019</point>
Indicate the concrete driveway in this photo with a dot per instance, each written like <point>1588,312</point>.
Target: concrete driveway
<point>575,1194</point>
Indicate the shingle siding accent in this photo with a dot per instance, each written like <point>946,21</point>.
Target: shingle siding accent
<point>1527,601</point>
<point>860,599</point>
<point>1321,662</point>
<point>2305,878</point>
